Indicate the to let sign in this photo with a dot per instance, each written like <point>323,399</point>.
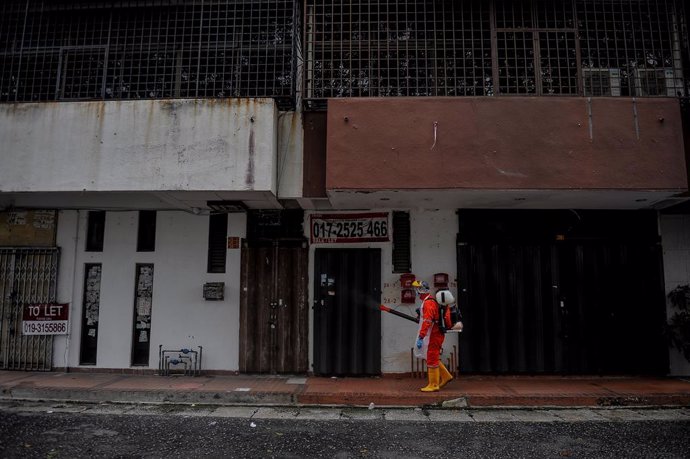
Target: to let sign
<point>360,227</point>
<point>45,319</point>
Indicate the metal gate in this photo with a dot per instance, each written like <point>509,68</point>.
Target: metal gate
<point>589,302</point>
<point>347,319</point>
<point>578,308</point>
<point>27,275</point>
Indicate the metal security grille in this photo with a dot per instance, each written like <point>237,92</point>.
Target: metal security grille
<point>537,48</point>
<point>27,275</point>
<point>77,50</point>
<point>398,48</point>
<point>636,45</point>
<point>499,47</point>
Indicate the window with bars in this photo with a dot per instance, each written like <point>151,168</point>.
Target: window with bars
<point>537,47</point>
<point>499,47</point>
<point>81,50</point>
<point>148,49</point>
<point>397,48</point>
<point>639,40</point>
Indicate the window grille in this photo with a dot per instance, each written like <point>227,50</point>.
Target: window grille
<point>81,50</point>
<point>501,47</point>
<point>397,48</point>
<point>642,39</point>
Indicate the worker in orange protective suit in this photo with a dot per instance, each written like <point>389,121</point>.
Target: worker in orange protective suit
<point>431,336</point>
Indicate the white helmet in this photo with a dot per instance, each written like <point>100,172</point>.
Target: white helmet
<point>445,297</point>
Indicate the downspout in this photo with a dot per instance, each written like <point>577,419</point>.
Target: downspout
<point>74,289</point>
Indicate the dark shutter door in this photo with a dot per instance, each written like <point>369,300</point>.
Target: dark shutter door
<point>588,302</point>
<point>347,320</point>
<point>612,299</point>
<point>509,297</point>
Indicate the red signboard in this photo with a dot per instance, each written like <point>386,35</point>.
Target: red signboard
<point>45,319</point>
<point>360,227</point>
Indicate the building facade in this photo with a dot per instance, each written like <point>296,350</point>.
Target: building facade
<point>226,186</point>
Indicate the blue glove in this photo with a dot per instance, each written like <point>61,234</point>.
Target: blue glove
<point>420,343</point>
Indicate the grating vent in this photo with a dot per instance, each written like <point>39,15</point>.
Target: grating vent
<point>226,206</point>
<point>602,82</point>
<point>401,242</point>
<point>271,225</point>
<point>217,237</point>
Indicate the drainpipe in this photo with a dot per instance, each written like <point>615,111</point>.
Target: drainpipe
<point>74,289</point>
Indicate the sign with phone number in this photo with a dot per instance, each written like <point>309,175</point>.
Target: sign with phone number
<point>361,227</point>
<point>45,319</point>
<point>49,327</point>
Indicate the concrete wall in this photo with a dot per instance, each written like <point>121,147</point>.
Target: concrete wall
<point>675,235</point>
<point>290,158</point>
<point>433,234</point>
<point>180,316</point>
<point>156,145</point>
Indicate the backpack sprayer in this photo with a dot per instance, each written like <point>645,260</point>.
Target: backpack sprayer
<point>444,299</point>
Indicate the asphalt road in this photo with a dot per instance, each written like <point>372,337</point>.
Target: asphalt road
<point>81,431</point>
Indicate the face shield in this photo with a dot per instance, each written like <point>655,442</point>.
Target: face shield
<point>421,287</point>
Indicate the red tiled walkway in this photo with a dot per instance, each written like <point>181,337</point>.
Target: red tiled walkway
<point>475,391</point>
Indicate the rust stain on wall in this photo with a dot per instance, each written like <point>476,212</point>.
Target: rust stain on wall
<point>249,178</point>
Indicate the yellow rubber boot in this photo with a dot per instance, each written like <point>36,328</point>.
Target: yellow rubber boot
<point>445,376</point>
<point>433,380</point>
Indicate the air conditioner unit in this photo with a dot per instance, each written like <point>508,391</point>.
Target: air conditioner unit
<point>657,82</point>
<point>602,82</point>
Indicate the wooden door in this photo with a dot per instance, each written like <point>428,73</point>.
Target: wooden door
<point>274,320</point>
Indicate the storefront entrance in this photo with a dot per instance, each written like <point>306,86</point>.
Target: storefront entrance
<point>347,319</point>
<point>561,292</point>
<point>27,276</point>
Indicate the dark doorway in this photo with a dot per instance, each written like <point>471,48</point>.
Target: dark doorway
<point>274,315</point>
<point>561,292</point>
<point>347,320</point>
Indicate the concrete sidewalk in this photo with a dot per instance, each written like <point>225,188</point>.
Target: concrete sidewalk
<point>398,391</point>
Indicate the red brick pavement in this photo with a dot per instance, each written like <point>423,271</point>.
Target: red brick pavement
<point>382,391</point>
